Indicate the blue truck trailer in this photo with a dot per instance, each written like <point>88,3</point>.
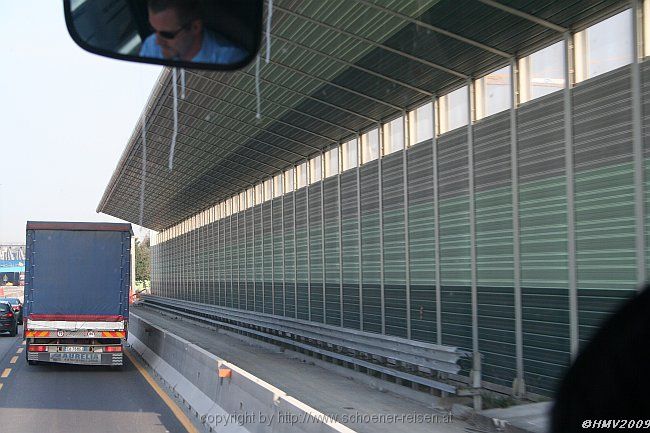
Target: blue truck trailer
<point>77,286</point>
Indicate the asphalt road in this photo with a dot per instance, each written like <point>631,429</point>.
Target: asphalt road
<point>77,399</point>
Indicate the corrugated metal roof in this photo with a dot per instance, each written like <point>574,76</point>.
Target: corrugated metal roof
<point>337,68</point>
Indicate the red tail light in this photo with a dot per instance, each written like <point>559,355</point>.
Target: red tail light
<point>113,349</point>
<point>32,348</point>
<point>8,315</point>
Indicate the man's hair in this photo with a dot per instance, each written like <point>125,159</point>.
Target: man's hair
<point>187,10</point>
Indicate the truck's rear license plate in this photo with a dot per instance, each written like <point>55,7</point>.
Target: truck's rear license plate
<point>75,349</point>
<point>75,357</point>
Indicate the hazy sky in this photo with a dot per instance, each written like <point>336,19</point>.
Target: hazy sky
<point>65,117</point>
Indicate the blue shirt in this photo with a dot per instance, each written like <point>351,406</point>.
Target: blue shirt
<point>214,49</point>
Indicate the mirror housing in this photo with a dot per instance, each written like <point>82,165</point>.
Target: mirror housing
<point>221,35</point>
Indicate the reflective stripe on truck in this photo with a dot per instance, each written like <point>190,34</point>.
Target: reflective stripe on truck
<point>78,334</point>
<point>34,334</point>
<point>113,334</point>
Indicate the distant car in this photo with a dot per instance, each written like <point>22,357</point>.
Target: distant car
<point>16,306</point>
<point>8,321</point>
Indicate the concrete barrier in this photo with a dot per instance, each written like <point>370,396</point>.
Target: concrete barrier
<point>240,403</point>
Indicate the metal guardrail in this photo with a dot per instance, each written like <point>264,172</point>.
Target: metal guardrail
<point>332,341</point>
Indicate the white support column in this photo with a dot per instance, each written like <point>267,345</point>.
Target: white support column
<point>191,244</point>
<point>380,188</point>
<point>407,235</point>
<point>284,271</point>
<point>263,252</point>
<point>201,257</point>
<point>519,387</point>
<point>187,260</point>
<point>295,249</point>
<point>340,229</point>
<point>476,357</point>
<point>322,232</point>
<point>570,191</point>
<point>181,262</point>
<point>308,170</point>
<point>231,218</point>
<point>206,258</point>
<point>217,252</point>
<point>187,255</point>
<point>197,259</point>
<point>178,261</point>
<point>255,199</point>
<point>246,251</point>
<point>637,142</point>
<point>187,268</point>
<point>172,261</point>
<point>358,171</point>
<point>472,215</point>
<point>174,256</point>
<point>436,216</point>
<point>272,248</point>
<point>238,256</point>
<point>193,256</point>
<point>224,299</point>
<point>212,298</point>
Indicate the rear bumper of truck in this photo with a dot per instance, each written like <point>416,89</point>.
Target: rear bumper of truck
<point>113,359</point>
<point>75,342</point>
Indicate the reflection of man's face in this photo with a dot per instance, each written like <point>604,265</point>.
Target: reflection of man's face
<point>186,42</point>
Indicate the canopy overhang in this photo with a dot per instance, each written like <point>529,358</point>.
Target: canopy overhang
<point>337,69</point>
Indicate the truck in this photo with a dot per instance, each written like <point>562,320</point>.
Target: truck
<point>78,280</point>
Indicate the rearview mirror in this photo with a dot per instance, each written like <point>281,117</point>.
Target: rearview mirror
<point>199,34</point>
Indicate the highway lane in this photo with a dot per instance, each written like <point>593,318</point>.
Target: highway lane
<point>77,399</point>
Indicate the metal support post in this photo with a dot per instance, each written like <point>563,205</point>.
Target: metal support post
<point>308,170</point>
<point>637,139</point>
<point>322,231</point>
<point>295,248</point>
<point>272,247</point>
<point>340,229</point>
<point>407,235</point>
<point>570,191</point>
<point>263,252</point>
<point>284,270</point>
<point>472,218</point>
<point>436,216</point>
<point>381,227</point>
<point>358,170</point>
<point>519,387</point>
<point>246,253</point>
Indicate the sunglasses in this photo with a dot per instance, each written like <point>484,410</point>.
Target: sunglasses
<point>170,35</point>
